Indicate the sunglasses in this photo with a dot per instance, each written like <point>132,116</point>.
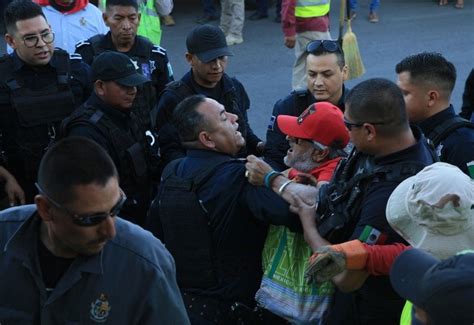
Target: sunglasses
<point>328,45</point>
<point>349,125</point>
<point>87,220</point>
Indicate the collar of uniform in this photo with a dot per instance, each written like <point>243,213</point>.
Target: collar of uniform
<point>120,118</point>
<point>432,122</point>
<point>226,82</point>
<point>18,63</point>
<point>23,243</point>
<point>109,45</point>
<point>207,154</point>
<point>407,153</point>
<point>342,100</point>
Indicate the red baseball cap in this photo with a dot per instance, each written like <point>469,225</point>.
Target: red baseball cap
<point>321,122</point>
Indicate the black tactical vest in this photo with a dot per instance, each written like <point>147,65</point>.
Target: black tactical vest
<point>135,161</point>
<point>340,201</point>
<point>146,59</point>
<point>183,216</point>
<point>44,108</point>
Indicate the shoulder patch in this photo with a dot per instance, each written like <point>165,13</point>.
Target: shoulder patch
<point>82,43</point>
<point>158,49</point>
<point>75,56</point>
<point>271,125</point>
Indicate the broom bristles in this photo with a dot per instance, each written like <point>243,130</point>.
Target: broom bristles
<point>352,54</point>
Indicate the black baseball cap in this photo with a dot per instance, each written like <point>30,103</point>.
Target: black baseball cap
<point>207,42</point>
<point>442,288</point>
<point>118,67</point>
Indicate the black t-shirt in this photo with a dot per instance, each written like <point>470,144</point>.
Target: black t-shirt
<point>52,267</point>
<point>376,302</point>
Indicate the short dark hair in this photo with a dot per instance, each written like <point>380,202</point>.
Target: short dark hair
<point>20,10</point>
<point>187,120</point>
<point>341,61</point>
<point>74,161</point>
<point>429,68</point>
<point>124,3</point>
<point>378,101</point>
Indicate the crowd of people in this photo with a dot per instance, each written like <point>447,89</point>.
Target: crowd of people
<point>134,198</point>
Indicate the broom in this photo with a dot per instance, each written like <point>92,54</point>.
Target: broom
<point>350,47</point>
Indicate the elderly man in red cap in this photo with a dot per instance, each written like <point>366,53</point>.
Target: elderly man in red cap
<point>317,139</point>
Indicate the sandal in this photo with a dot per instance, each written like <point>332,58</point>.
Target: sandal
<point>443,2</point>
<point>459,4</point>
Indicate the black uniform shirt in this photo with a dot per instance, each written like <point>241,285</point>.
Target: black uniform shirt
<point>458,147</point>
<point>34,78</point>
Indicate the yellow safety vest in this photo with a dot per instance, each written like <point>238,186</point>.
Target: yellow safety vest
<point>149,22</point>
<point>311,8</point>
<point>405,318</point>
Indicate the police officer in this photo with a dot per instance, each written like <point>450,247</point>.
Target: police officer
<point>123,19</point>
<point>215,228</point>
<point>427,80</point>
<point>207,55</point>
<point>326,71</point>
<point>106,117</point>
<point>353,205</point>
<point>39,86</point>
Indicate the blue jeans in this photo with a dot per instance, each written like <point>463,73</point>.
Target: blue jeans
<point>374,5</point>
<point>209,8</point>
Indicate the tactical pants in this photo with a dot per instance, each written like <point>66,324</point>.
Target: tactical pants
<point>299,68</point>
<point>232,17</point>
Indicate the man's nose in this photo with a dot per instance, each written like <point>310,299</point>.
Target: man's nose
<point>233,117</point>
<point>107,228</point>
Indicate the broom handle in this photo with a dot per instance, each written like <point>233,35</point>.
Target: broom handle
<point>342,14</point>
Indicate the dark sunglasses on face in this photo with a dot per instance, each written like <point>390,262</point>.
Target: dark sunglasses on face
<point>328,45</point>
<point>349,125</point>
<point>32,40</point>
<point>87,220</point>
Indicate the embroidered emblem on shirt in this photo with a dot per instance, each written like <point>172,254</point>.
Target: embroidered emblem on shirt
<point>100,309</point>
<point>83,21</point>
<point>146,70</point>
<point>135,63</point>
<point>152,66</point>
<point>372,236</point>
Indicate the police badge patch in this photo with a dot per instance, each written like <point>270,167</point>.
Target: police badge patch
<point>100,309</point>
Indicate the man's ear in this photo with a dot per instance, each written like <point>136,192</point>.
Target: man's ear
<point>43,207</point>
<point>99,87</point>
<point>105,18</point>
<point>10,41</point>
<point>370,131</point>
<point>345,72</point>
<point>320,155</point>
<point>433,97</point>
<point>205,139</point>
<point>189,58</point>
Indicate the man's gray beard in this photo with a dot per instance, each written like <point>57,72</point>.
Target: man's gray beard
<point>304,163</point>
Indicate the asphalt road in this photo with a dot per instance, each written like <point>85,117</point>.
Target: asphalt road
<point>263,64</point>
